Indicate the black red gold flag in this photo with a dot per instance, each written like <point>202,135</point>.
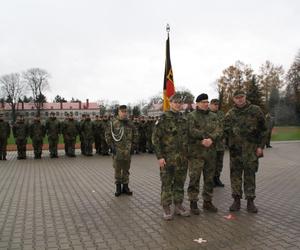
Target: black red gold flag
<point>169,88</point>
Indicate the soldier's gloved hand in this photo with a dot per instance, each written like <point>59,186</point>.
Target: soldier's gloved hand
<point>162,163</point>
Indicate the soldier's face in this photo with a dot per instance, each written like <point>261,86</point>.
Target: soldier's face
<point>122,114</point>
<point>176,106</point>
<point>214,107</point>
<point>239,100</point>
<point>203,105</point>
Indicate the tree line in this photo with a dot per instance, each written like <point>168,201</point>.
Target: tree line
<point>275,91</point>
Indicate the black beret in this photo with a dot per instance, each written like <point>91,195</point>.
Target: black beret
<point>201,97</point>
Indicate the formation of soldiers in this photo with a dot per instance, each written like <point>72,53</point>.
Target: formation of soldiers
<point>91,133</point>
<point>190,143</point>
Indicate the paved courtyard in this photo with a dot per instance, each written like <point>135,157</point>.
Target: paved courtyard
<point>69,203</point>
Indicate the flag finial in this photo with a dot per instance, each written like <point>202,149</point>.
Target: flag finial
<point>168,28</point>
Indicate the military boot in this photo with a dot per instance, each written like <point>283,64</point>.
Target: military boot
<point>209,207</point>
<point>118,189</point>
<point>218,182</point>
<point>251,208</point>
<point>126,189</point>
<point>236,205</point>
<point>181,210</point>
<point>167,213</point>
<point>194,208</point>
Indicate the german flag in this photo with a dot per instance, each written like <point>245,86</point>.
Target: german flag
<point>169,88</point>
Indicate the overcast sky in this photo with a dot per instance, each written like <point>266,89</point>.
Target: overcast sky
<point>115,49</point>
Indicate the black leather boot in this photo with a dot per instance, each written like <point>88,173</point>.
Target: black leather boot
<point>251,208</point>
<point>218,182</point>
<point>236,205</point>
<point>126,189</point>
<point>194,208</point>
<point>118,189</point>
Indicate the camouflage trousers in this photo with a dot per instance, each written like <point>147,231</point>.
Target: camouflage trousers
<point>70,146</point>
<point>82,147</point>
<point>53,141</point>
<point>3,144</point>
<point>121,167</point>
<point>242,173</point>
<point>37,147</point>
<point>205,164</point>
<point>104,146</point>
<point>219,163</point>
<point>21,147</point>
<point>172,178</point>
<point>88,146</point>
<point>97,144</point>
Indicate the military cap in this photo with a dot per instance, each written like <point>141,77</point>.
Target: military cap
<point>176,98</point>
<point>122,107</point>
<point>214,101</point>
<point>202,97</point>
<point>239,92</point>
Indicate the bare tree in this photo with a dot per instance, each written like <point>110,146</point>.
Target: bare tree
<point>37,81</point>
<point>12,89</point>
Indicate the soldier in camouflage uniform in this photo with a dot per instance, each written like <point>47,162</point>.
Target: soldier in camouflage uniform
<point>104,125</point>
<point>120,135</point>
<point>20,132</point>
<point>53,131</point>
<point>70,131</point>
<point>149,130</point>
<point>142,135</point>
<point>135,146</point>
<point>97,127</point>
<point>204,131</point>
<point>4,135</point>
<point>81,122</point>
<point>87,133</point>
<point>37,133</point>
<point>170,145</point>
<point>245,129</point>
<point>220,145</point>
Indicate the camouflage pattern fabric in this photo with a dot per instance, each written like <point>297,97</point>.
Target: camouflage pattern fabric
<point>121,147</point>
<point>245,129</point>
<point>169,140</point>
<point>4,135</point>
<point>20,132</point>
<point>37,133</point>
<point>202,125</point>
<point>70,132</point>
<point>53,128</point>
<point>87,135</point>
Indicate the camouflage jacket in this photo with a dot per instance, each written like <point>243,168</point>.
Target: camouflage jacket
<point>53,128</point>
<point>120,135</point>
<point>37,130</point>
<point>169,137</point>
<point>20,130</point>
<point>4,129</point>
<point>86,129</point>
<point>70,129</point>
<point>220,144</point>
<point>244,126</point>
<point>97,127</point>
<point>202,125</point>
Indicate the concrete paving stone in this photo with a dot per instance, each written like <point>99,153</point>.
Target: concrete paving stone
<point>51,202</point>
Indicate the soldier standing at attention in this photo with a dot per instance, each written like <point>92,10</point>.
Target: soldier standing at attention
<point>53,131</point>
<point>81,122</point>
<point>70,132</point>
<point>120,136</point>
<point>220,147</point>
<point>245,129</point>
<point>87,133</point>
<point>97,134</point>
<point>269,125</point>
<point>104,125</point>
<point>20,131</point>
<point>170,145</point>
<point>37,133</point>
<point>4,135</point>
<point>204,131</point>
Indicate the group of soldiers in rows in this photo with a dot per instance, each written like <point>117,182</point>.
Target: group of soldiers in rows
<point>90,132</point>
<point>193,143</point>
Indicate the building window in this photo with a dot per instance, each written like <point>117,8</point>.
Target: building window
<point>76,113</point>
<point>46,113</point>
<point>32,113</point>
<point>57,113</point>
